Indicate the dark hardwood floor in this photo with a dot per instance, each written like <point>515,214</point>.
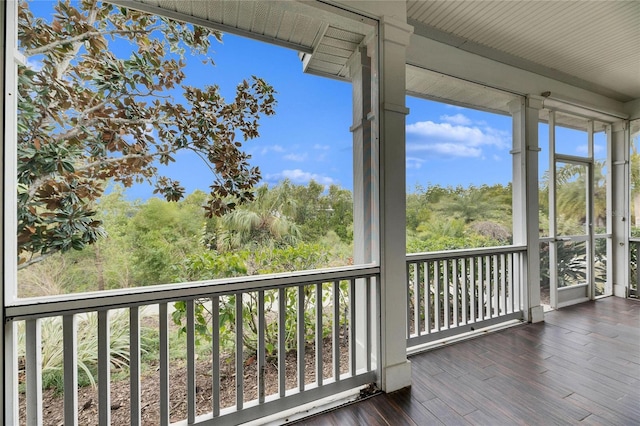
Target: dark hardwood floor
<point>581,366</point>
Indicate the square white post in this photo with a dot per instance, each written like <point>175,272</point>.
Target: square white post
<point>360,72</point>
<point>619,215</point>
<point>8,112</point>
<point>394,39</point>
<point>525,199</point>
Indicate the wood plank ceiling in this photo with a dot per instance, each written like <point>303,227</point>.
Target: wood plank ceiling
<point>591,45</point>
<point>594,45</point>
<point>325,41</point>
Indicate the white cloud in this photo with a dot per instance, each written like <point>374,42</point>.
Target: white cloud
<point>459,119</point>
<point>274,148</point>
<point>300,176</point>
<point>414,162</point>
<point>446,148</point>
<point>296,157</point>
<point>455,140</point>
<point>466,135</point>
<point>583,149</point>
<point>457,107</point>
<point>321,147</point>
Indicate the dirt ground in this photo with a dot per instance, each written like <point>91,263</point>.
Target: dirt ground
<point>150,389</point>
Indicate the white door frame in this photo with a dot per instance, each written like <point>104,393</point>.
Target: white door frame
<point>565,296</point>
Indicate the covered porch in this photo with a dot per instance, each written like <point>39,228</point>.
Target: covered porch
<point>576,364</point>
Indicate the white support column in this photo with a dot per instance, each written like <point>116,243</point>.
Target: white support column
<point>8,111</point>
<point>525,199</point>
<point>591,242</point>
<point>360,72</point>
<point>6,329</point>
<point>394,38</point>
<point>618,221</point>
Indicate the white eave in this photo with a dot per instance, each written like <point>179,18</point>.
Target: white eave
<point>324,40</point>
<point>461,50</point>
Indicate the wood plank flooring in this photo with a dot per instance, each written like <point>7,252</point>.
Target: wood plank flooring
<point>581,366</point>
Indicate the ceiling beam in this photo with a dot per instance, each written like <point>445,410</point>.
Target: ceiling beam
<point>632,108</point>
<point>505,58</point>
<point>449,60</point>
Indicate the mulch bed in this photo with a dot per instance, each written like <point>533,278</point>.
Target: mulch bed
<point>150,389</point>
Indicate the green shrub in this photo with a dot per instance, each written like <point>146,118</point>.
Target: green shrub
<point>87,348</point>
<point>264,260</point>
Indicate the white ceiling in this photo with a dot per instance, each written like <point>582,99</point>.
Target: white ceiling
<point>325,40</point>
<point>427,84</point>
<point>594,45</point>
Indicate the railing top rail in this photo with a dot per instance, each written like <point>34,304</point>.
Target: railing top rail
<point>634,240</point>
<point>452,254</point>
<point>41,307</point>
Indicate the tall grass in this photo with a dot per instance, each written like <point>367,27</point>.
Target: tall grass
<point>87,348</point>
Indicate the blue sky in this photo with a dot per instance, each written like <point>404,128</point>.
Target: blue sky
<point>309,136</point>
<point>450,145</point>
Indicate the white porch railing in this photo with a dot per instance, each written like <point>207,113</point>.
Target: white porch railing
<point>457,291</point>
<point>327,295</point>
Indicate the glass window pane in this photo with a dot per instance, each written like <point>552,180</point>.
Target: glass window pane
<point>635,178</point>
<point>571,198</point>
<point>600,170</point>
<point>600,266</point>
<point>543,175</point>
<point>459,172</point>
<point>545,274</point>
<point>572,263</point>
<point>571,135</point>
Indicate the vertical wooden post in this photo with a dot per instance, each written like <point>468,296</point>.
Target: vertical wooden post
<point>618,208</point>
<point>8,111</point>
<point>394,38</point>
<point>525,200</point>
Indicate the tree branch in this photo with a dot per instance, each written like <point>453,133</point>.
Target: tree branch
<point>62,66</point>
<point>36,259</point>
<point>82,123</point>
<point>36,184</point>
<point>204,160</point>
<point>80,38</point>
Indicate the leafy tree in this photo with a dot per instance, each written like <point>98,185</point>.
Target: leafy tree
<point>258,260</point>
<point>159,235</point>
<point>442,227</point>
<point>341,208</point>
<point>312,209</point>
<point>87,116</point>
<point>469,205</point>
<point>418,210</point>
<point>447,218</point>
<point>319,210</point>
<point>571,193</point>
<point>112,255</point>
<point>264,221</point>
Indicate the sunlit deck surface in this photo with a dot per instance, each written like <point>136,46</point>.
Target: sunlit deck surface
<point>581,366</point>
